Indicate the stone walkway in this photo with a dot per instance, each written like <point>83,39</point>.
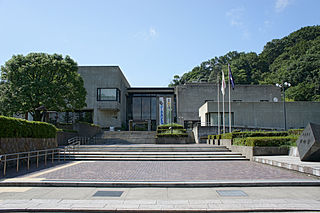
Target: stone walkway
<point>167,171</point>
<point>70,199</point>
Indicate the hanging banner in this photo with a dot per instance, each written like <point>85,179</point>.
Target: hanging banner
<point>169,110</point>
<point>161,110</point>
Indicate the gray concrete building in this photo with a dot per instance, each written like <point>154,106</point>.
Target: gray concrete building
<point>112,102</point>
<point>268,115</point>
<point>106,88</point>
<point>192,96</point>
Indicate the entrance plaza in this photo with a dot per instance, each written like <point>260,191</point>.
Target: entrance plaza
<point>177,178</point>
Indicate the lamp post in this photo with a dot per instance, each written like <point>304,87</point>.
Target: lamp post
<point>284,85</point>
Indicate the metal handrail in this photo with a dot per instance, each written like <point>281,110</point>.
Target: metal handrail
<point>73,143</point>
<point>29,155</point>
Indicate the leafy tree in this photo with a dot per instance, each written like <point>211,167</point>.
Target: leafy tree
<point>40,80</point>
<point>294,58</point>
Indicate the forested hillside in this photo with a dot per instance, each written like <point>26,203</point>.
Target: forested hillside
<point>294,58</point>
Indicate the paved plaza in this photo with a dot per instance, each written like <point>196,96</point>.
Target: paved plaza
<point>167,171</point>
<point>159,186</point>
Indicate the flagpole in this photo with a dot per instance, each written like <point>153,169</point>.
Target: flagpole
<point>224,122</point>
<point>230,130</point>
<point>218,82</point>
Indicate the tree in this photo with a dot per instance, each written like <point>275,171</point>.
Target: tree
<point>40,80</point>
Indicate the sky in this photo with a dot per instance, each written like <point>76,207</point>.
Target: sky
<point>151,40</point>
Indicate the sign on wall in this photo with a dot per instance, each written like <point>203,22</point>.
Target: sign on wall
<point>169,110</point>
<point>161,110</point>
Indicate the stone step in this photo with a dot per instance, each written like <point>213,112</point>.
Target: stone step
<point>154,159</point>
<point>155,156</point>
<point>154,153</point>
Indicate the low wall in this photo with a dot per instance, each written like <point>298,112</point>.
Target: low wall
<point>86,130</point>
<point>172,140</point>
<point>251,151</point>
<point>62,137</point>
<point>14,145</point>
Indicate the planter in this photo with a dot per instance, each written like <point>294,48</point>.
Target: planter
<point>171,140</point>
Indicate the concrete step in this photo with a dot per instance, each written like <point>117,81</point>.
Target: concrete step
<point>154,153</point>
<point>153,159</point>
<point>153,156</point>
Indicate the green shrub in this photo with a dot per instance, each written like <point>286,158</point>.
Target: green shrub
<point>167,126</point>
<point>295,131</point>
<point>257,134</point>
<point>266,141</point>
<point>176,131</point>
<point>20,128</point>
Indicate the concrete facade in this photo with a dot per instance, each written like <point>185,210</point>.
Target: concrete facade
<point>266,114</point>
<point>191,96</point>
<point>105,113</point>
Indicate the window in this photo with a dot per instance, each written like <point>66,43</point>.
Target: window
<point>106,94</point>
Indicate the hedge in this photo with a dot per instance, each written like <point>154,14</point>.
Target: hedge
<point>20,128</point>
<point>176,131</point>
<point>167,126</point>
<point>266,141</point>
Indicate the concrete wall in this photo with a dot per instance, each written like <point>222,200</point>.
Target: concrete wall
<point>268,114</point>
<point>191,96</point>
<point>106,113</point>
<point>15,145</point>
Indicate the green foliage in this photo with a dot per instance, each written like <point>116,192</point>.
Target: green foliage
<point>294,58</point>
<point>295,131</point>
<point>40,79</point>
<point>167,126</point>
<point>19,128</point>
<point>267,141</point>
<point>174,130</point>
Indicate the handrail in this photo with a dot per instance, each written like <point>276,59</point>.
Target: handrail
<point>73,143</point>
<point>29,155</point>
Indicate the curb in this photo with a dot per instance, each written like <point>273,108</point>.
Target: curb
<point>124,184</point>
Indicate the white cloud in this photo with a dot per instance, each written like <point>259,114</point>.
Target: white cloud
<point>281,5</point>
<point>147,35</point>
<point>152,32</point>
<point>235,17</point>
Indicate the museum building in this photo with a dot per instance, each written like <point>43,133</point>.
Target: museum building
<point>112,102</point>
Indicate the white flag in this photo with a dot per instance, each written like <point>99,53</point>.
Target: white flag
<point>223,84</point>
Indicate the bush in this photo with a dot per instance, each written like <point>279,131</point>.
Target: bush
<point>258,134</point>
<point>266,141</point>
<point>20,128</point>
<point>295,131</point>
<point>167,126</point>
<point>176,131</point>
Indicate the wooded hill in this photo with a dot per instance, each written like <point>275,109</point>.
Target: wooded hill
<point>294,59</point>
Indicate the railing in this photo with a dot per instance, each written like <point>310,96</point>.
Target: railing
<point>48,154</point>
<point>18,157</point>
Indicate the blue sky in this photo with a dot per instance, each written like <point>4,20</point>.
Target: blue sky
<point>151,40</point>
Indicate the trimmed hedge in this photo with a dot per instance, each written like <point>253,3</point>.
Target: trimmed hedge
<point>20,128</point>
<point>266,141</point>
<point>173,125</point>
<point>176,131</point>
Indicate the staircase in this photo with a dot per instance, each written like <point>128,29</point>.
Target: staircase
<point>152,152</point>
<point>127,137</point>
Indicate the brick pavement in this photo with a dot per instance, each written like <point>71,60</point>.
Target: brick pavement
<point>170,171</point>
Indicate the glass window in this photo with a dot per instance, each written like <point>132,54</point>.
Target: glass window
<point>153,108</point>
<point>108,94</point>
<point>145,108</point>
<point>136,108</point>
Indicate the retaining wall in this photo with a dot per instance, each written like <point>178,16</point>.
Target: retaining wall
<point>14,145</point>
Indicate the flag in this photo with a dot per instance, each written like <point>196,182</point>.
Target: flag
<point>223,84</point>
<point>231,77</point>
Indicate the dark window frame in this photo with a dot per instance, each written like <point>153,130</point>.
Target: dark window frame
<point>118,94</point>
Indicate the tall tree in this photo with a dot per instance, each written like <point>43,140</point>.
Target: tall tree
<point>40,81</point>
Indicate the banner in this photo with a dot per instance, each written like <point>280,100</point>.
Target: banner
<point>169,110</point>
<point>161,110</point>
